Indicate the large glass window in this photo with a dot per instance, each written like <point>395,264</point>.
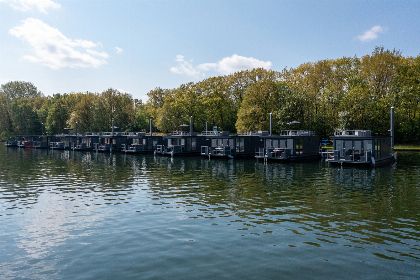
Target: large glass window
<point>289,143</point>
<point>283,143</point>
<point>193,143</point>
<point>299,146</point>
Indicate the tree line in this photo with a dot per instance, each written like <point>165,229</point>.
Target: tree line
<point>348,92</point>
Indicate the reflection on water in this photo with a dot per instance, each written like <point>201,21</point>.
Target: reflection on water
<point>155,217</point>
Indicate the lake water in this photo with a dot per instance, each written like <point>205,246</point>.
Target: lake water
<point>71,215</point>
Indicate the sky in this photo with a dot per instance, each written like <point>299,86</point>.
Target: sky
<point>134,45</point>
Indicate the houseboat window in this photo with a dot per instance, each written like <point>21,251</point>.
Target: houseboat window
<point>144,141</point>
<point>240,145</point>
<point>368,145</point>
<point>358,147</point>
<point>182,142</point>
<point>348,146</point>
<point>231,143</point>
<point>155,142</point>
<point>378,148</point>
<point>299,146</point>
<point>386,146</point>
<point>170,142</point>
<point>289,143</point>
<point>338,145</point>
<point>225,142</point>
<point>268,143</point>
<point>283,144</point>
<point>275,143</point>
<point>193,143</point>
<point>214,142</point>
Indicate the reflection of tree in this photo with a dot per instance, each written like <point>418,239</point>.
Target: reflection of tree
<point>27,173</point>
<point>309,198</point>
<point>354,205</point>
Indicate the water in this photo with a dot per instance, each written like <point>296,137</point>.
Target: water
<point>66,215</point>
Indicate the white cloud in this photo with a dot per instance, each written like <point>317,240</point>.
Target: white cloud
<point>52,48</point>
<point>118,50</point>
<point>224,66</point>
<point>26,5</point>
<point>185,67</point>
<point>371,34</point>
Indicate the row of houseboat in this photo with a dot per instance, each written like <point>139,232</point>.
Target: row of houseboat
<point>356,147</point>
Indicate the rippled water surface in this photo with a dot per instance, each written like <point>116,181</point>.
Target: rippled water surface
<point>66,215</point>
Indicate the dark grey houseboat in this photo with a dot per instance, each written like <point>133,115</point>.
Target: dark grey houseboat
<point>141,143</point>
<point>360,148</point>
<point>110,142</point>
<point>86,142</point>
<point>246,145</point>
<point>40,142</point>
<point>289,145</point>
<point>180,143</point>
<point>217,144</point>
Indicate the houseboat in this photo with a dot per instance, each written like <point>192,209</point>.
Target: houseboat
<point>217,144</point>
<point>110,142</point>
<point>40,142</point>
<point>86,142</point>
<point>360,148</point>
<point>289,145</point>
<point>141,143</point>
<point>180,143</point>
<point>246,145</point>
<point>57,145</point>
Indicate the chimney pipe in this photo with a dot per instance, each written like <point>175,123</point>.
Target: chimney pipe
<point>191,125</point>
<point>150,126</point>
<point>271,122</point>
<point>392,129</point>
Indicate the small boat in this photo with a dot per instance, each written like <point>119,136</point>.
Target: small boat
<point>25,144</point>
<point>360,148</point>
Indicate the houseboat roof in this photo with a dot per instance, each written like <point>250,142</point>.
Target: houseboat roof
<point>214,133</point>
<point>182,133</point>
<point>255,133</point>
<point>353,133</point>
<point>297,133</point>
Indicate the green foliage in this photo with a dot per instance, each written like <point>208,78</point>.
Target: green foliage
<point>348,92</point>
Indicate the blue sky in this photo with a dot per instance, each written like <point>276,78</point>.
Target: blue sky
<point>135,46</point>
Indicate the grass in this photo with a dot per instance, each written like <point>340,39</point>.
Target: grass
<point>398,147</point>
<point>407,147</point>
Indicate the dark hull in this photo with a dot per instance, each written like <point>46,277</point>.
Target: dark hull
<point>295,159</point>
<point>219,156</point>
<point>137,152</point>
<point>185,154</point>
<point>82,149</point>
<point>378,163</point>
